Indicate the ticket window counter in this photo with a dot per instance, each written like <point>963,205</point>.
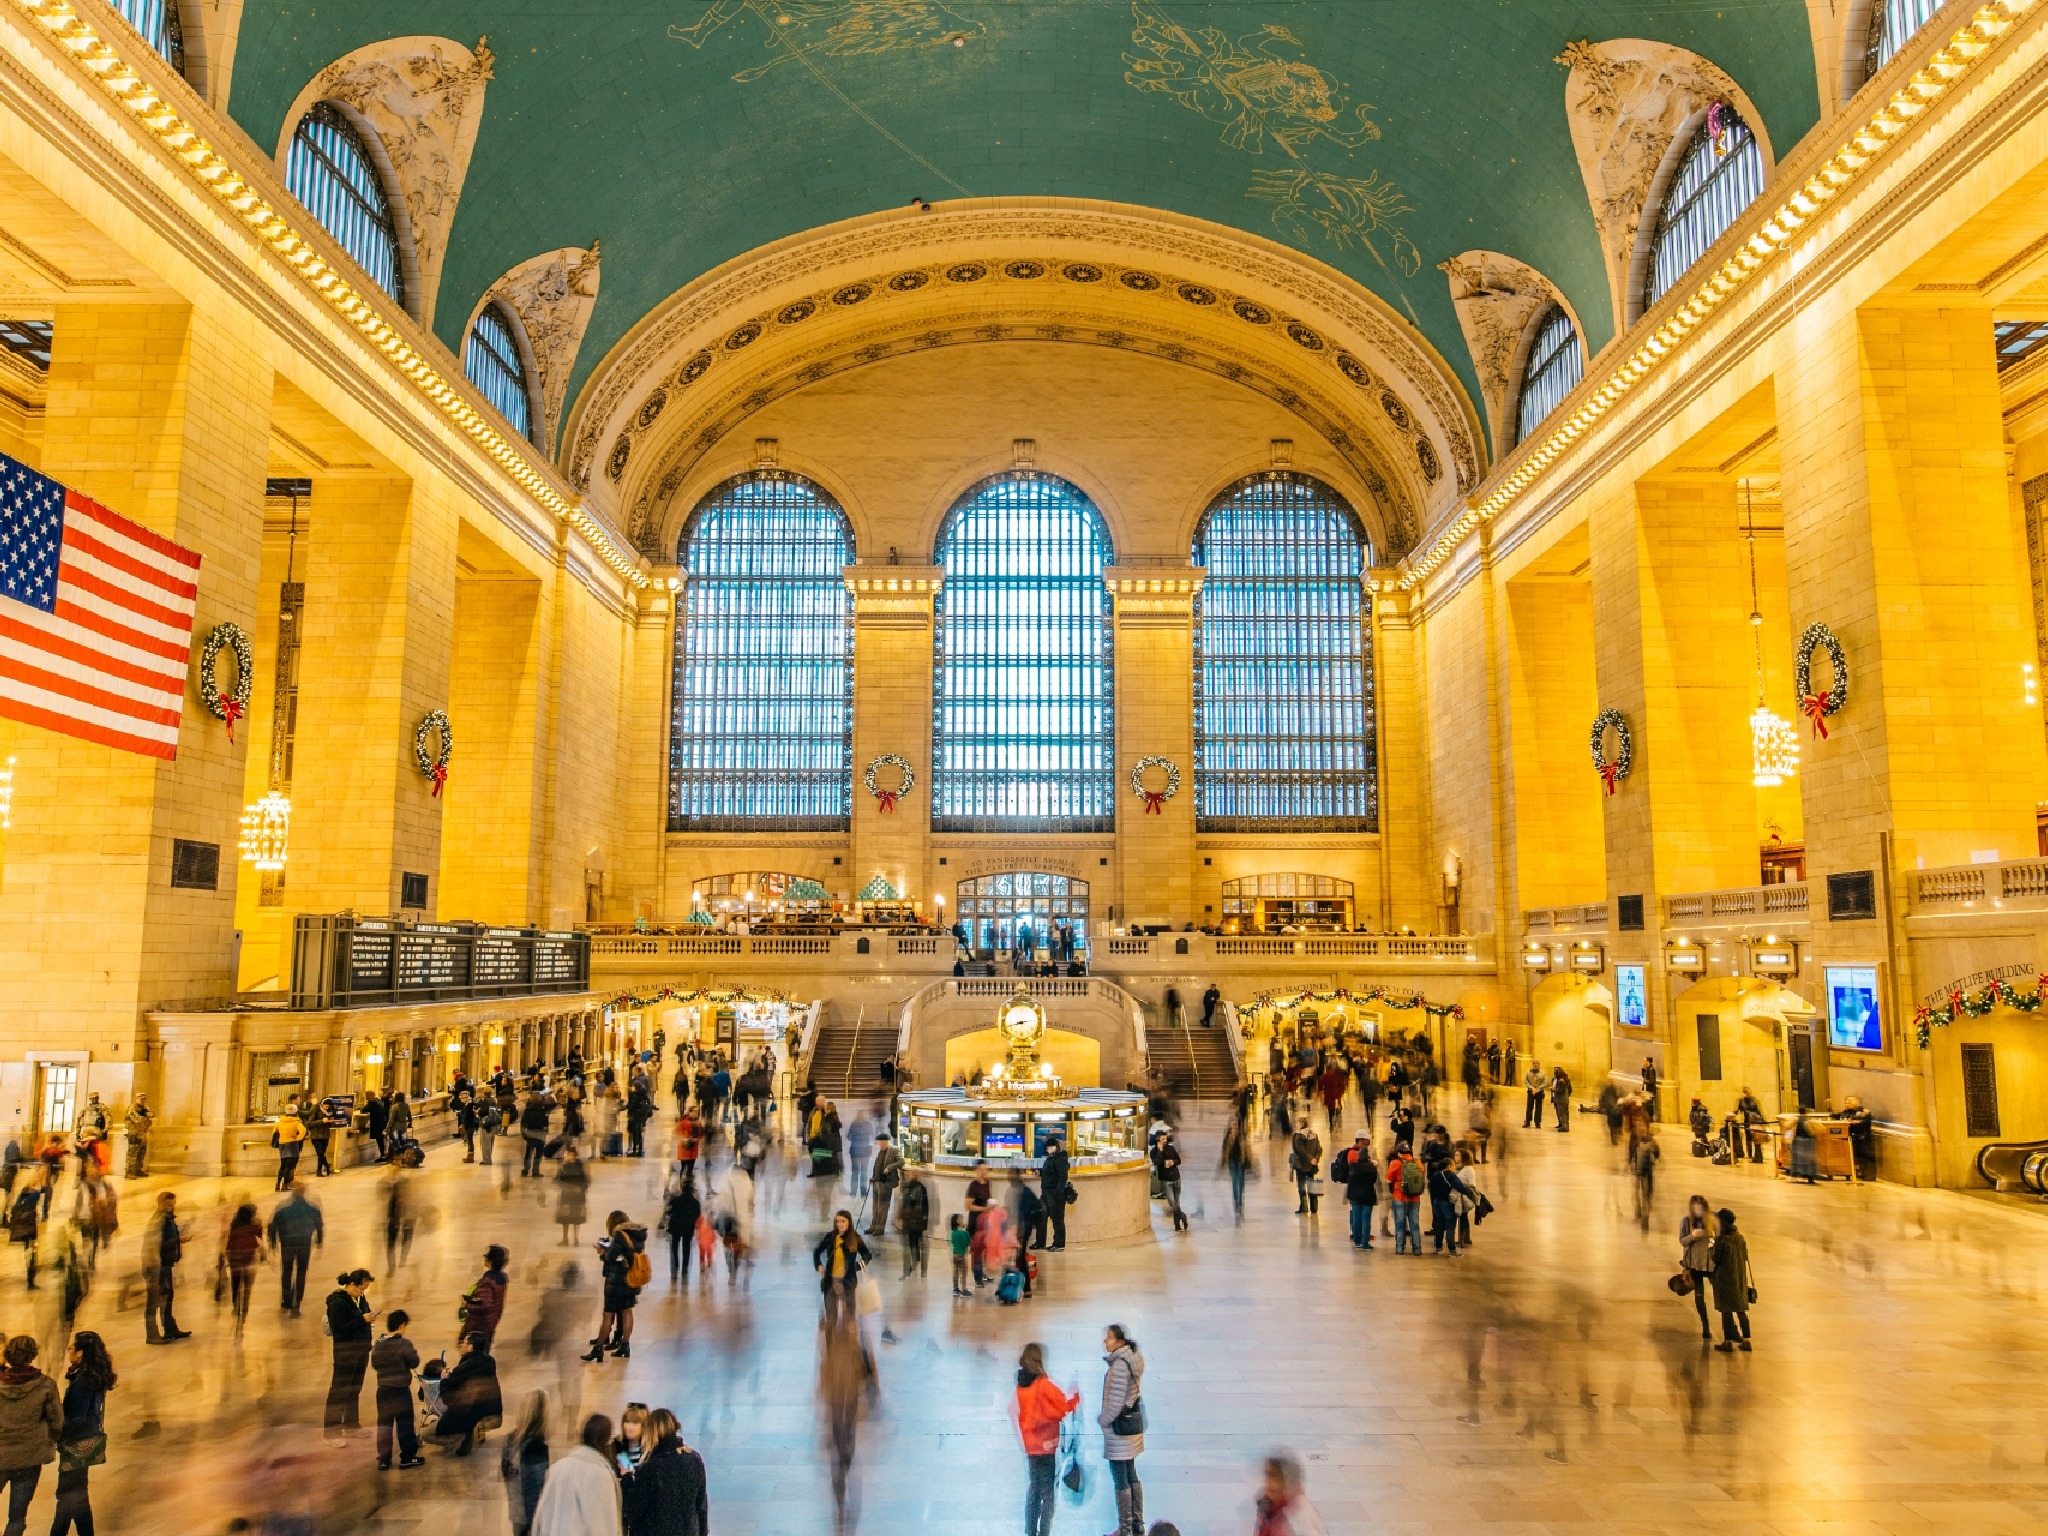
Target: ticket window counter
<point>943,1136</point>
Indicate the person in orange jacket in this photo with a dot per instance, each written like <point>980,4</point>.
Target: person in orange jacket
<point>1040,1408</point>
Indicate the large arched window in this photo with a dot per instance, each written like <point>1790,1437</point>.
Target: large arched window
<point>494,365</point>
<point>1556,364</point>
<point>1023,737</point>
<point>158,22</point>
<point>1892,25</point>
<point>762,726</point>
<point>1284,728</point>
<point>331,171</point>
<point>1718,176</point>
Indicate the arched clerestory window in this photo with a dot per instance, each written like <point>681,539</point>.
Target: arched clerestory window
<point>160,25</point>
<point>1284,717</point>
<point>761,729</point>
<point>1719,173</point>
<point>331,170</point>
<point>1555,364</point>
<point>496,364</point>
<point>1023,736</point>
<point>1892,25</point>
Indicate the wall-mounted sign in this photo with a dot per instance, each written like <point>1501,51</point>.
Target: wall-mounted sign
<point>1631,996</point>
<point>1774,960</point>
<point>1686,957</point>
<point>1536,958</point>
<point>1853,1019</point>
<point>1590,958</point>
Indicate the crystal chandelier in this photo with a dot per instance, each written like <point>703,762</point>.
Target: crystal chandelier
<point>266,828</point>
<point>1773,743</point>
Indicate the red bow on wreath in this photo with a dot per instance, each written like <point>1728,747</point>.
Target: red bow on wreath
<point>440,776</point>
<point>1609,772</point>
<point>888,799</point>
<point>1155,802</point>
<point>1816,707</point>
<point>230,711</point>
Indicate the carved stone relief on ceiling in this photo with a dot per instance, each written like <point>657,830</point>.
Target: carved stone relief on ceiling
<point>424,96</point>
<point>1625,100</point>
<point>1497,297</point>
<point>1360,413</point>
<point>553,294</point>
<point>696,329</point>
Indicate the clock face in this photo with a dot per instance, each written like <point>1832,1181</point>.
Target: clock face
<point>1020,1022</point>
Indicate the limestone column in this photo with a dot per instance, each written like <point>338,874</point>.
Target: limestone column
<point>638,889</point>
<point>1406,896</point>
<point>489,857</point>
<point>1154,614</point>
<point>892,712</point>
<point>380,597</point>
<point>161,413</point>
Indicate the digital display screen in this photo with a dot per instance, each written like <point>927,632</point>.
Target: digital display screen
<point>1631,997</point>
<point>1002,1140</point>
<point>1853,1021</point>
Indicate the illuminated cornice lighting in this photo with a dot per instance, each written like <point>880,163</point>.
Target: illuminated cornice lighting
<point>216,173</point>
<point>1859,150</point>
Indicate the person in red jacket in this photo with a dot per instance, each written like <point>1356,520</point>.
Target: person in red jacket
<point>1040,1408</point>
<point>1406,1183</point>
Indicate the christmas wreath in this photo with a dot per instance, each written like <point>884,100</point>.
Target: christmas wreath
<point>1617,767</point>
<point>1155,799</point>
<point>1818,706</point>
<point>1974,1005</point>
<point>232,703</point>
<point>434,767</point>
<point>889,797</point>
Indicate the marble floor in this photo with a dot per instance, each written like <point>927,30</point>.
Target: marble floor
<point>1547,1382</point>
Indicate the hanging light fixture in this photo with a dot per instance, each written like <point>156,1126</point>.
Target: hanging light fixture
<point>1773,743</point>
<point>266,829</point>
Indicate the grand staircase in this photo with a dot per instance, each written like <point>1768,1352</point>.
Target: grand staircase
<point>844,1063</point>
<point>1194,1061</point>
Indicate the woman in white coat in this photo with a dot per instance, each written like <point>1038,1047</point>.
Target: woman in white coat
<point>581,1497</point>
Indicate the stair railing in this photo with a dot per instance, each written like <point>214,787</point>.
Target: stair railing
<point>807,1044</point>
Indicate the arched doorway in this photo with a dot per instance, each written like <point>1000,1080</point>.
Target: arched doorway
<point>992,906</point>
<point>1571,1021</point>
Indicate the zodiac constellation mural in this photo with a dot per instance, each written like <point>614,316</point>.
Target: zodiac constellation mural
<point>800,29</point>
<point>1261,91</point>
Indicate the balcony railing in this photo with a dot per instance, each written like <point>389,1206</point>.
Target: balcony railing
<point>1590,917</point>
<point>1788,902</point>
<point>2019,883</point>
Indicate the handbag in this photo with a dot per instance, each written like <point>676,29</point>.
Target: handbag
<point>1682,1283</point>
<point>867,1296</point>
<point>82,1451</point>
<point>1130,1419</point>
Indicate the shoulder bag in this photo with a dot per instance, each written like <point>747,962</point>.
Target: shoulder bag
<point>1130,1419</point>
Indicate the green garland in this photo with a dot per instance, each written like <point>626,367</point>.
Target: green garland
<point>1974,1005</point>
<point>697,995</point>
<point>1290,997</point>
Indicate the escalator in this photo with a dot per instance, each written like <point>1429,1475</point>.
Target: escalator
<point>2015,1166</point>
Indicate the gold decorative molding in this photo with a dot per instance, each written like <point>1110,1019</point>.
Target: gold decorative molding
<point>893,596</point>
<point>220,177</point>
<point>1756,239</point>
<point>1154,597</point>
<point>1147,271</point>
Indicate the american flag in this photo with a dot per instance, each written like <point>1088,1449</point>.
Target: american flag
<point>95,618</point>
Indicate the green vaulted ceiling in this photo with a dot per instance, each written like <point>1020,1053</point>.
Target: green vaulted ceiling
<point>1381,136</point>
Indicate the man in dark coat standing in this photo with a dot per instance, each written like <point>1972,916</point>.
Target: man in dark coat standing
<point>1052,1188</point>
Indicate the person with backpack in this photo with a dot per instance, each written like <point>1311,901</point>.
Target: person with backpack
<point>915,1206</point>
<point>1041,1408</point>
<point>1306,1159</point>
<point>490,1125</point>
<point>1407,1182</point>
<point>838,1257</point>
<point>1122,1421</point>
<point>25,1220</point>
<point>1360,1176</point>
<point>622,1257</point>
